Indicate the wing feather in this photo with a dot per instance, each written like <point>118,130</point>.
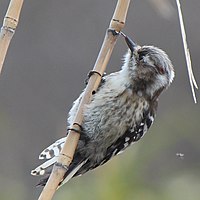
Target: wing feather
<point>131,136</point>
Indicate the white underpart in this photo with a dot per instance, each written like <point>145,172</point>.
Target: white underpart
<point>159,84</point>
<point>126,60</point>
<point>74,109</point>
<point>187,53</point>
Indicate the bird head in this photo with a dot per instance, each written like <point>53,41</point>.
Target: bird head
<point>149,67</point>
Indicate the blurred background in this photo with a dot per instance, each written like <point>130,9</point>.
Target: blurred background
<point>55,45</point>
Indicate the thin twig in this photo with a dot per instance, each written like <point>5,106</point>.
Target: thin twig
<point>187,53</point>
<point>9,26</point>
<point>66,155</point>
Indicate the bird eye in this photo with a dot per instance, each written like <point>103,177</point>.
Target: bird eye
<point>160,70</point>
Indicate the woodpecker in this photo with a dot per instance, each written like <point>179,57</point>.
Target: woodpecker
<point>120,113</point>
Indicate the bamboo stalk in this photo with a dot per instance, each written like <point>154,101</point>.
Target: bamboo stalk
<point>9,26</point>
<point>67,153</point>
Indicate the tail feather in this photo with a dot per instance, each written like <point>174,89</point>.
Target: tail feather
<point>51,153</point>
<point>43,168</point>
<point>69,174</point>
<point>53,150</point>
<point>73,172</point>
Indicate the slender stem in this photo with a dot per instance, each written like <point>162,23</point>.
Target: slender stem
<point>67,153</point>
<point>8,29</point>
<point>187,53</point>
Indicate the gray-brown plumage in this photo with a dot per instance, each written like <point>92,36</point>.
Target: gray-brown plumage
<point>120,113</point>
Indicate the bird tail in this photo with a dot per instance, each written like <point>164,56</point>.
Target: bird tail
<point>51,154</point>
<point>69,174</point>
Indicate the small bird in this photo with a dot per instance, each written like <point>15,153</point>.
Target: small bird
<point>120,113</point>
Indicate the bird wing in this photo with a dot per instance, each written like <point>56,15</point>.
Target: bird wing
<point>79,165</point>
<point>132,135</point>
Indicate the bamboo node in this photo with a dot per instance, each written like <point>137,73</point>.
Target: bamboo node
<point>116,20</point>
<point>90,73</point>
<point>62,166</point>
<point>74,129</point>
<point>10,24</point>
<point>78,124</point>
<point>117,25</point>
<point>64,159</point>
<point>62,154</point>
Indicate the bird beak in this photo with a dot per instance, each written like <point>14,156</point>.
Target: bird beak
<point>132,45</point>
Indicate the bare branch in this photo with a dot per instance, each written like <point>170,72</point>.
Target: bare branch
<point>187,53</point>
<point>9,26</point>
